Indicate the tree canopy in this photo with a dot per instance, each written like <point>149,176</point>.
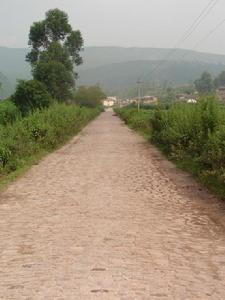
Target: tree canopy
<point>220,80</point>
<point>204,85</point>
<point>89,96</point>
<point>55,49</point>
<point>31,95</point>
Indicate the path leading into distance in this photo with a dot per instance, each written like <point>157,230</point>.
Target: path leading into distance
<point>107,217</point>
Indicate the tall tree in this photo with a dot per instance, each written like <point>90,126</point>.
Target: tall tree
<point>55,50</point>
<point>204,85</point>
<point>220,80</point>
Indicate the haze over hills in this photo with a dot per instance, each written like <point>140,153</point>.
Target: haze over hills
<point>122,75</point>
<point>116,67</point>
<point>99,56</point>
<point>12,67</point>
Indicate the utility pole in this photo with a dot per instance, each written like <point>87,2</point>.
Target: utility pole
<point>139,92</point>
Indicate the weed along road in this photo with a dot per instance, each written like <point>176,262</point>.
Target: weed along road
<point>106,217</point>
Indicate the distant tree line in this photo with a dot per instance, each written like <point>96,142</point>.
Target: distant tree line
<point>206,84</point>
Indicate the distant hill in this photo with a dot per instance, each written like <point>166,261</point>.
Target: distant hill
<point>122,75</point>
<point>12,61</point>
<point>13,67</point>
<point>6,88</point>
<point>117,67</point>
<point>99,56</point>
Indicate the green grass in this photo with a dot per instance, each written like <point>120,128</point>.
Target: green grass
<point>191,135</point>
<point>8,112</point>
<point>6,179</point>
<point>27,140</point>
<point>139,121</point>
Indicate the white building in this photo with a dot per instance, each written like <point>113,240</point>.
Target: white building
<point>191,101</point>
<point>110,101</point>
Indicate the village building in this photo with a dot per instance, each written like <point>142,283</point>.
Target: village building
<point>110,101</point>
<point>149,100</point>
<point>193,101</point>
<point>221,93</point>
<point>186,97</point>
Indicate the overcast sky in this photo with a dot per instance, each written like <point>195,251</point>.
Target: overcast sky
<point>129,23</point>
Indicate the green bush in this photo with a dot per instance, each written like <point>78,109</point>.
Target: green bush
<point>4,156</point>
<point>31,95</point>
<point>192,135</point>
<point>89,96</point>
<point>8,112</point>
<point>51,74</point>
<point>41,131</point>
<point>139,121</point>
<point>186,126</point>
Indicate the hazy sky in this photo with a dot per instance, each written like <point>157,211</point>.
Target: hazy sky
<point>129,23</point>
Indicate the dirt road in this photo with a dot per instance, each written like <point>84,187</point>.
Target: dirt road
<point>106,217</point>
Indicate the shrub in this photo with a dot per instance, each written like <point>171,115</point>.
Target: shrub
<point>89,96</point>
<point>4,156</point>
<point>8,112</point>
<point>31,95</point>
<point>137,120</point>
<point>56,77</point>
<point>39,132</point>
<point>193,135</point>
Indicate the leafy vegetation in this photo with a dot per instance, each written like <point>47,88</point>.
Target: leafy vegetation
<point>40,132</point>
<point>220,80</point>
<point>34,122</point>
<point>205,84</point>
<point>192,135</point>
<point>89,96</point>
<point>31,95</point>
<point>139,121</point>
<point>55,50</point>
<point>8,112</point>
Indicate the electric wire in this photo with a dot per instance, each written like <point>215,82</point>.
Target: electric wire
<point>204,13</point>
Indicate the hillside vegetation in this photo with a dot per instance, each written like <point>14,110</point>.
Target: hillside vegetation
<point>192,135</point>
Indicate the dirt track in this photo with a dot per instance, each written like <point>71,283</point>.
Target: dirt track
<point>106,217</point>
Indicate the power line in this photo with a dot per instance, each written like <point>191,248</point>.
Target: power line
<point>204,13</point>
<point>209,34</point>
<point>204,38</point>
<point>201,20</point>
<point>193,25</point>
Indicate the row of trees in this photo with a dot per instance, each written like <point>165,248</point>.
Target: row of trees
<point>206,84</point>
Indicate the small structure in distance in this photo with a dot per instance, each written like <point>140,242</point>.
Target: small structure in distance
<point>149,100</point>
<point>192,101</point>
<point>110,101</point>
<point>221,93</point>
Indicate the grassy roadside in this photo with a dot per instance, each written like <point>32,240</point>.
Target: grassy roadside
<point>190,136</point>
<point>7,179</point>
<point>138,121</point>
<point>26,141</point>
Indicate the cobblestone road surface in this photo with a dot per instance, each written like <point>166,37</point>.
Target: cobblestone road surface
<point>106,217</point>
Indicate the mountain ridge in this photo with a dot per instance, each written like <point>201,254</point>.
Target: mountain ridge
<point>116,64</point>
<point>122,75</point>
